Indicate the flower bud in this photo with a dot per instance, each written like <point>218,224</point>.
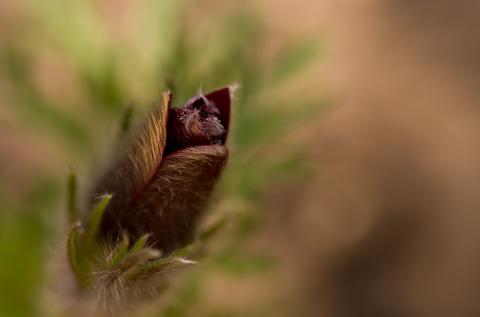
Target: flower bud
<point>162,180</point>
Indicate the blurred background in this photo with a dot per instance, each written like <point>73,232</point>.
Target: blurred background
<point>353,185</point>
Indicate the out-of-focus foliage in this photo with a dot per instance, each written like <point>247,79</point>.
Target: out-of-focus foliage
<point>99,57</point>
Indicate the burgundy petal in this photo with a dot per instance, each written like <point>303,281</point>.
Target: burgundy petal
<point>170,207</point>
<point>222,99</point>
<point>203,120</point>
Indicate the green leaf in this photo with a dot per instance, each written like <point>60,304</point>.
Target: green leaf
<point>163,265</point>
<point>139,244</point>
<point>186,250</point>
<point>137,259</point>
<point>94,224</point>
<point>120,252</point>
<point>72,198</point>
<point>73,253</point>
<point>213,229</point>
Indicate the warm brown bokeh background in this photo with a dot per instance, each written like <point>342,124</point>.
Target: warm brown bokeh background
<point>390,226</point>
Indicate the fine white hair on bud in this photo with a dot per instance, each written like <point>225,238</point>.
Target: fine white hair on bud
<point>147,204</point>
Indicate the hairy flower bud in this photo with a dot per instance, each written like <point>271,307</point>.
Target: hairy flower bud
<point>161,182</point>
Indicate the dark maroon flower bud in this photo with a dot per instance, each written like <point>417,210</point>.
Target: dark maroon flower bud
<point>164,177</point>
<point>199,122</point>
